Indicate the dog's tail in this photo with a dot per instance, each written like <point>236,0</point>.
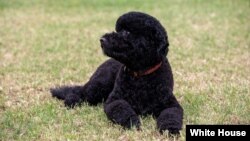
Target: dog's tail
<point>62,92</point>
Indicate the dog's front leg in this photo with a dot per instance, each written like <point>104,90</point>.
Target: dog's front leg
<point>171,118</point>
<point>120,112</point>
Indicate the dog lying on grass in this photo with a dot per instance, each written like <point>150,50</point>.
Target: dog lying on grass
<point>137,80</point>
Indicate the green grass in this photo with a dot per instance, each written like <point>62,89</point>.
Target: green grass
<point>44,43</point>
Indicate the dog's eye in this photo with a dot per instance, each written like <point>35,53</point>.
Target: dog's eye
<point>125,33</point>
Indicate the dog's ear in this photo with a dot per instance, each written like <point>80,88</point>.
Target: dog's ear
<point>163,50</point>
<point>162,41</point>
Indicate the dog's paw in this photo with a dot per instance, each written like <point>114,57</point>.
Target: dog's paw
<point>58,93</point>
<point>174,131</point>
<point>72,100</point>
<point>170,130</point>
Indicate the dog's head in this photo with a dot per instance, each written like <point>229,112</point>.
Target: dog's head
<point>140,41</point>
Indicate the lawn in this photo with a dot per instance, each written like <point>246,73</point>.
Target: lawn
<point>45,43</point>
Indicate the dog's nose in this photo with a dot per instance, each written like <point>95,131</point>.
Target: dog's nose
<point>102,40</point>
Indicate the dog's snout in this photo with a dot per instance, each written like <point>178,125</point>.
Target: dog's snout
<point>102,40</point>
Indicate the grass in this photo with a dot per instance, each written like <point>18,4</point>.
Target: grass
<point>45,43</point>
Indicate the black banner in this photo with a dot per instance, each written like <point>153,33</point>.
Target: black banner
<point>220,132</point>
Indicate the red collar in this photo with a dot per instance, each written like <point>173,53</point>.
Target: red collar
<point>146,72</point>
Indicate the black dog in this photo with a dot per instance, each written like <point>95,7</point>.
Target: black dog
<point>137,80</point>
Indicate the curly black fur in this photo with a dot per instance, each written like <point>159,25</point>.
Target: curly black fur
<point>139,43</point>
